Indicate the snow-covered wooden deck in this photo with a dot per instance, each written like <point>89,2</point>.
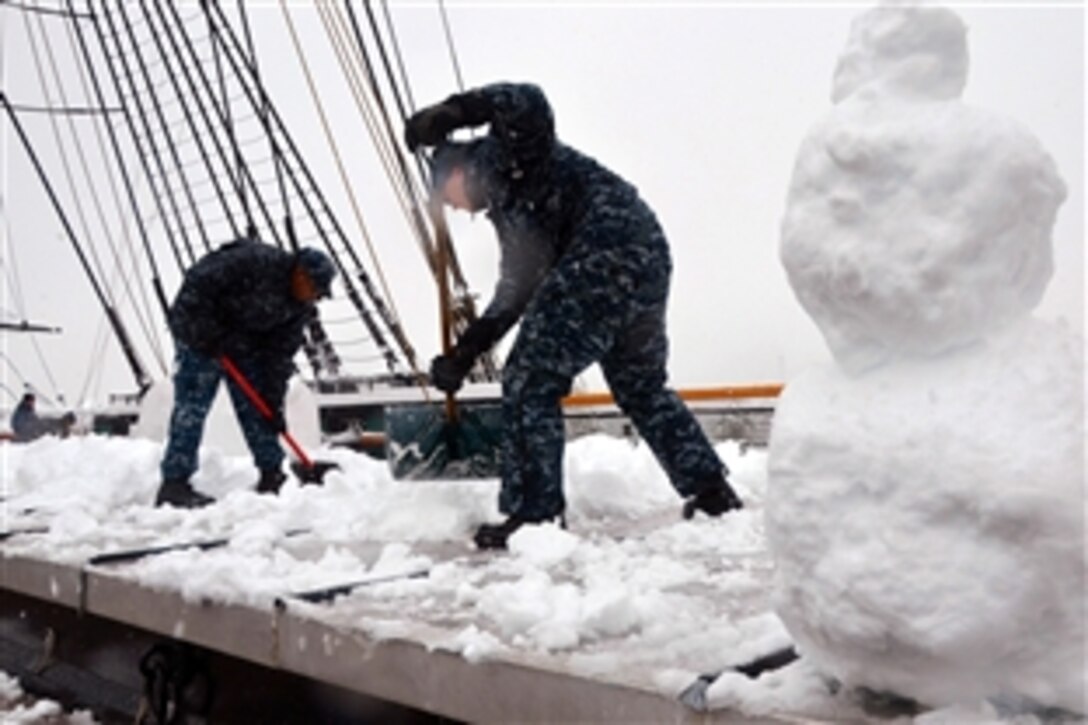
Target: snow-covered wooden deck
<point>403,665</point>
<point>609,620</point>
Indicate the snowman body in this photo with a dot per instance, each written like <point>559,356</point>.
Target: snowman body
<point>926,506</point>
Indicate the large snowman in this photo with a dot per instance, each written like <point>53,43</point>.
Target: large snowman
<point>926,505</point>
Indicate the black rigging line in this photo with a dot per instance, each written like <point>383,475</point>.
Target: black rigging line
<point>455,267</point>
<point>43,11</point>
<point>245,175</point>
<point>142,115</point>
<point>449,43</point>
<point>26,326</point>
<point>116,196</point>
<point>91,185</point>
<point>64,110</point>
<point>120,158</point>
<point>465,310</point>
<point>12,270</point>
<point>194,129</point>
<point>390,76</point>
<point>239,159</point>
<point>224,29</point>
<point>262,113</point>
<point>418,217</point>
<point>65,165</point>
<point>167,136</point>
<point>396,53</point>
<point>138,371</point>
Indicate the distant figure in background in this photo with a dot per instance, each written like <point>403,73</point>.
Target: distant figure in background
<point>65,424</point>
<point>586,267</point>
<point>25,423</point>
<point>249,301</point>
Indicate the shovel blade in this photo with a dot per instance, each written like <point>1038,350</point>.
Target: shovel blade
<point>422,444</point>
<point>313,474</point>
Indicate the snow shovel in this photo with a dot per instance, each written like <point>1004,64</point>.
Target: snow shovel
<point>307,469</point>
<point>451,440</point>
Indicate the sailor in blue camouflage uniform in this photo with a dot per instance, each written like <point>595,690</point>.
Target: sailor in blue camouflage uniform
<point>250,302</point>
<point>586,267</point>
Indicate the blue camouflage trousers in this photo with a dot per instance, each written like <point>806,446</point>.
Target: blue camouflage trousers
<point>603,302</point>
<point>196,382</point>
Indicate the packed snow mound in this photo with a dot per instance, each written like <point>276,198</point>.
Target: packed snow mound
<point>904,50</point>
<point>915,225</point>
<point>927,521</point>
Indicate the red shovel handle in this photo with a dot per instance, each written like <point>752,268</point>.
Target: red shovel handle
<point>262,407</point>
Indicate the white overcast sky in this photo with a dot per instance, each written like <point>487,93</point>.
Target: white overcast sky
<point>700,105</point>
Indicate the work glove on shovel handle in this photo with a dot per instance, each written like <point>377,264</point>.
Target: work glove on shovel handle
<point>448,372</point>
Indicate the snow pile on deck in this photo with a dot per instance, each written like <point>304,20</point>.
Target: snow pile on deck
<point>18,709</point>
<point>629,592</point>
<point>926,503</point>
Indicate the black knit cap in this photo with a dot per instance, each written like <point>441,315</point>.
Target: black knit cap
<point>319,267</point>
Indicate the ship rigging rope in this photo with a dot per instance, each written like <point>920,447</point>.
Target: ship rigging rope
<point>449,44</point>
<point>411,190</point>
<point>403,192</point>
<point>27,8</point>
<point>382,133</point>
<point>22,378</point>
<point>458,278</point>
<point>202,127</point>
<point>9,391</point>
<point>94,372</point>
<point>338,45</point>
<point>464,310</point>
<point>61,152</point>
<point>334,147</point>
<point>132,105</point>
<point>397,327</point>
<point>158,103</point>
<point>97,273</point>
<point>262,113</point>
<point>142,313</point>
<point>208,119</point>
<point>64,110</point>
<point>12,270</point>
<point>115,195</point>
<point>408,193</point>
<point>411,108</point>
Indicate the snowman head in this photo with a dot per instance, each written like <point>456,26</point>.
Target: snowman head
<point>904,50</point>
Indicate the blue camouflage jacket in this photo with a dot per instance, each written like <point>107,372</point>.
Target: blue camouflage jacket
<point>542,196</point>
<point>237,300</point>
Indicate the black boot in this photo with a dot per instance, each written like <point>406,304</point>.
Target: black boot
<point>714,499</point>
<point>179,492</point>
<point>271,480</point>
<point>494,536</point>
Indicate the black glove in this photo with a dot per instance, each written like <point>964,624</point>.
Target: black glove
<point>449,371</point>
<point>431,125</point>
